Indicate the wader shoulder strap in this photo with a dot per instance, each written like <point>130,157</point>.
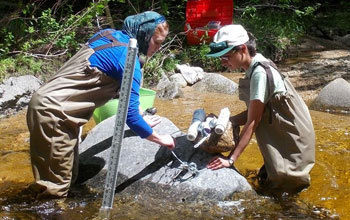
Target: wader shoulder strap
<point>271,86</point>
<point>107,34</point>
<point>269,81</point>
<point>101,35</point>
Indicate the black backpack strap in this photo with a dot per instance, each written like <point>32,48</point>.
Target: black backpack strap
<point>107,34</point>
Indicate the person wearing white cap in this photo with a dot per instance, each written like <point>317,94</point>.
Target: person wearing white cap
<point>275,112</point>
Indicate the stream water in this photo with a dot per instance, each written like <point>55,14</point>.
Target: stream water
<point>327,197</point>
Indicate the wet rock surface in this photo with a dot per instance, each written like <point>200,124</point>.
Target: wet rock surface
<point>147,168</point>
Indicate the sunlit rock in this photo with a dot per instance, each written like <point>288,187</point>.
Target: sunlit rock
<point>15,93</point>
<point>163,81</point>
<point>170,91</point>
<point>213,82</point>
<point>189,73</point>
<point>335,95</point>
<point>147,168</point>
<point>178,79</point>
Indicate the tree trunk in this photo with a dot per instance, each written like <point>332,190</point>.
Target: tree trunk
<point>109,16</point>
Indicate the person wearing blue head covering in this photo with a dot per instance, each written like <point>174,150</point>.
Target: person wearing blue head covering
<point>142,27</point>
<point>92,77</point>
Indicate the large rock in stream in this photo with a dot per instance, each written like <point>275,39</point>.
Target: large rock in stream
<point>213,82</point>
<point>335,95</point>
<point>148,169</point>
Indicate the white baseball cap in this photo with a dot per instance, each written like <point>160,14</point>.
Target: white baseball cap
<point>228,37</point>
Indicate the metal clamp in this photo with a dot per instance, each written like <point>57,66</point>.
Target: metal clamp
<point>191,168</point>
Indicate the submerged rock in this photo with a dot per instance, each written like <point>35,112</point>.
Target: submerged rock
<point>146,168</point>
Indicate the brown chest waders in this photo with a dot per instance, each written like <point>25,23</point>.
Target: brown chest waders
<point>56,113</point>
<point>285,135</point>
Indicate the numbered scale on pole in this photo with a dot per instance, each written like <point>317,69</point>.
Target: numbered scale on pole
<point>124,96</point>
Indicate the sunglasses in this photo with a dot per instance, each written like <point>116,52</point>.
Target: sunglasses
<point>228,54</point>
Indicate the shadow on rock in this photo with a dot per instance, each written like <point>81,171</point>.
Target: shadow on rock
<point>89,164</point>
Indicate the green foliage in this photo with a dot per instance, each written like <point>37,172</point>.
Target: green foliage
<point>53,27</point>
<point>276,28</point>
<point>173,10</point>
<point>7,41</point>
<point>195,55</point>
<point>20,65</point>
<point>48,33</point>
<point>6,66</point>
<point>152,70</point>
<point>334,19</point>
<point>170,63</point>
<point>165,62</point>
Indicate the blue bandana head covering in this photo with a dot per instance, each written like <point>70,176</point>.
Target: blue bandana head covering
<point>141,27</point>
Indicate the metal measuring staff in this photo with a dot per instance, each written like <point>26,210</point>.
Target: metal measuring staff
<point>124,96</point>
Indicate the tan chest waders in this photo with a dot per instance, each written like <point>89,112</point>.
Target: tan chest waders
<point>285,135</point>
<point>56,113</point>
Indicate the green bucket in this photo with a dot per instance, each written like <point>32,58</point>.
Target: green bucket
<point>109,109</point>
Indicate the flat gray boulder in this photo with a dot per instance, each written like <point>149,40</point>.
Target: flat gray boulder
<point>335,95</point>
<point>212,82</point>
<point>15,93</point>
<point>146,168</point>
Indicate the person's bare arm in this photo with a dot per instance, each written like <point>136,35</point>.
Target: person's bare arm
<point>165,140</point>
<point>255,112</point>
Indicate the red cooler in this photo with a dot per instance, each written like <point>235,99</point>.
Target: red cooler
<point>205,17</point>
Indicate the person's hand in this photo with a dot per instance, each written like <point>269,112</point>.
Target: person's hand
<point>167,141</point>
<point>152,120</point>
<point>218,163</point>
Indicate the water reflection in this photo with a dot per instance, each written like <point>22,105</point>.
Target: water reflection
<point>328,194</point>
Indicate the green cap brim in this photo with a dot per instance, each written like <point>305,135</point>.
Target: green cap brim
<point>219,54</point>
